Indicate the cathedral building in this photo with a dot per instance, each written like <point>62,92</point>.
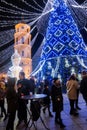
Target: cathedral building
<point>22,39</point>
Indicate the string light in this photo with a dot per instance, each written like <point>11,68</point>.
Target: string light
<point>44,2</point>
<point>5,67</point>
<point>15,14</point>
<point>8,37</point>
<point>11,11</point>
<point>11,23</point>
<point>44,13</point>
<point>80,6</point>
<point>10,4</point>
<point>5,52</point>
<point>85,28</point>
<point>14,17</point>
<point>79,13</point>
<point>38,68</point>
<point>81,61</point>
<point>34,14</point>
<point>33,5</point>
<point>61,40</point>
<point>38,5</point>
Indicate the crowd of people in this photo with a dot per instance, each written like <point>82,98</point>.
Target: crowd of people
<point>13,90</point>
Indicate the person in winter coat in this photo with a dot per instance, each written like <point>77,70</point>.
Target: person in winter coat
<point>2,97</point>
<point>24,87</point>
<point>78,90</point>
<point>72,86</point>
<point>11,103</point>
<point>22,109</point>
<point>57,100</point>
<point>83,86</point>
<point>47,100</point>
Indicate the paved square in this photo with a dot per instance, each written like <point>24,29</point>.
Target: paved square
<point>72,123</point>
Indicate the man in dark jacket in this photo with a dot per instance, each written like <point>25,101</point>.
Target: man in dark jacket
<point>11,103</point>
<point>83,86</point>
<point>23,85</point>
<point>57,100</point>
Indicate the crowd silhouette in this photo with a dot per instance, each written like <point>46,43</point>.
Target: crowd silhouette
<point>12,91</point>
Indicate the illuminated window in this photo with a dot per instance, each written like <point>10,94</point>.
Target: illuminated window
<point>22,53</point>
<point>27,30</point>
<point>17,40</point>
<point>22,40</point>
<point>28,40</point>
<point>17,29</point>
<point>22,63</point>
<point>22,27</point>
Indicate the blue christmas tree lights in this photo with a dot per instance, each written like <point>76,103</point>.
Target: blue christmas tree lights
<point>64,48</point>
<point>62,37</point>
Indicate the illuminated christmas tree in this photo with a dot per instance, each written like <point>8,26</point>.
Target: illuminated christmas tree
<point>64,51</point>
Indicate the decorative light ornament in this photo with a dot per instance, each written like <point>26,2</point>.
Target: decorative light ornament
<point>79,77</point>
<point>59,77</point>
<point>15,69</point>
<point>73,70</point>
<point>81,62</point>
<point>66,63</point>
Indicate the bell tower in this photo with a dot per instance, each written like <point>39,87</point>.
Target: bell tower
<point>22,39</point>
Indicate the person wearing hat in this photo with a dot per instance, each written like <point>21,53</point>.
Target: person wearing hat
<point>57,101</point>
